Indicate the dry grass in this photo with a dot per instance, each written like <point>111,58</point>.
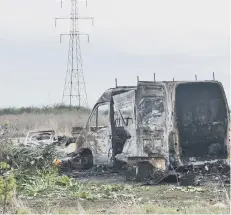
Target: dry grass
<point>59,118</point>
<point>62,122</point>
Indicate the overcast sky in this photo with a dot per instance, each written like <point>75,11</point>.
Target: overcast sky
<point>173,38</point>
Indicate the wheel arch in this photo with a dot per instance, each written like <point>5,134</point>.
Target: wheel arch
<point>85,151</point>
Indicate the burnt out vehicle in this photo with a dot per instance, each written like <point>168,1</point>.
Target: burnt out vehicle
<point>165,124</point>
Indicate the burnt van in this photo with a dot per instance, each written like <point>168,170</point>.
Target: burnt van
<point>167,124</point>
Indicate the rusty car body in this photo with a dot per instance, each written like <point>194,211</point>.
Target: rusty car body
<point>168,124</point>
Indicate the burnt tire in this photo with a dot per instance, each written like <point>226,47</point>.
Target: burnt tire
<point>86,161</point>
<point>143,171</point>
<point>188,180</point>
<point>140,172</point>
<point>130,174</point>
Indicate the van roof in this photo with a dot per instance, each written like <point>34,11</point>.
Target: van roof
<point>107,95</point>
<point>178,82</point>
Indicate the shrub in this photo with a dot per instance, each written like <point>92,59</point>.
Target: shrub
<point>7,184</point>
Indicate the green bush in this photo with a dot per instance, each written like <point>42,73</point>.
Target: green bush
<point>22,211</point>
<point>28,160</point>
<point>41,183</point>
<point>7,185</point>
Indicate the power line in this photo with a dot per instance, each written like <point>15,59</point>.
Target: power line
<point>74,91</point>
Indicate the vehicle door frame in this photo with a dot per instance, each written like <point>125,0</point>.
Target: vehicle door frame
<point>98,156</point>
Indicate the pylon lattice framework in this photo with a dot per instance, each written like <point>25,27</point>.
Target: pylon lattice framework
<point>74,91</point>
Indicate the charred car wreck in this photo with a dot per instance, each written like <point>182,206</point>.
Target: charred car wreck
<point>168,125</point>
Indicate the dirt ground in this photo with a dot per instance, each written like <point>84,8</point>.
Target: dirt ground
<point>136,198</point>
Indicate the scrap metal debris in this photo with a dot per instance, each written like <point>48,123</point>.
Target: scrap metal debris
<point>40,137</point>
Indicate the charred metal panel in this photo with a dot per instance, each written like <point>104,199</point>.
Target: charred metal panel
<point>151,119</point>
<point>124,107</point>
<point>154,122</point>
<point>95,137</point>
<point>98,142</point>
<point>107,95</point>
<point>124,104</point>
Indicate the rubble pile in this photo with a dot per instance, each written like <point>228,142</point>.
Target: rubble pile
<point>209,172</point>
<point>191,176</point>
